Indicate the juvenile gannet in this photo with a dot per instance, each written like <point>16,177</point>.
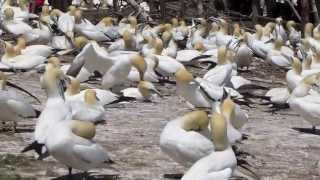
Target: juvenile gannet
<point>221,162</point>
<point>184,139</point>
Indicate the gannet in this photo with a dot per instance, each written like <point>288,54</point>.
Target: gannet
<point>71,144</point>
<point>221,74</point>
<point>54,111</point>
<point>304,102</point>
<point>85,28</point>
<point>221,162</point>
<point>38,50</point>
<point>13,26</point>
<point>196,91</point>
<point>184,139</point>
<point>12,105</point>
<point>294,76</point>
<point>144,91</point>
<point>13,60</point>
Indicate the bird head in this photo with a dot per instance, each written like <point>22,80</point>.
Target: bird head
<point>308,28</point>
<point>139,63</point>
<point>195,120</point>
<point>132,21</point>
<point>146,88</point>
<point>174,22</point>
<point>3,80</point>
<point>83,129</point>
<point>10,50</point>
<point>290,24</point>
<point>183,76</point>
<point>80,42</point>
<point>219,131</point>
<point>107,21</point>
<point>54,61</point>
<point>73,87</point>
<point>278,44</point>
<point>158,46</point>
<point>222,55</point>
<point>77,16</point>
<point>8,14</point>
<point>296,65</point>
<point>90,97</point>
<point>72,9</point>
<point>166,37</point>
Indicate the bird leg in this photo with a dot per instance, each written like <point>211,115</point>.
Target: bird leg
<point>14,127</point>
<point>85,175</point>
<point>70,171</point>
<point>314,129</point>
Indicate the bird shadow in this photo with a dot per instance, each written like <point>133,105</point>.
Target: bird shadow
<point>79,176</point>
<point>307,130</point>
<point>173,176</point>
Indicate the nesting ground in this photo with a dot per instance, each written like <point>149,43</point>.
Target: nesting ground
<point>132,132</point>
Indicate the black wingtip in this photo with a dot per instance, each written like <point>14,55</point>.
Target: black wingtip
<point>122,98</point>
<point>37,147</point>
<point>23,90</point>
<point>110,161</point>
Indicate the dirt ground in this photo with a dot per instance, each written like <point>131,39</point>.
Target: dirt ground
<point>131,136</point>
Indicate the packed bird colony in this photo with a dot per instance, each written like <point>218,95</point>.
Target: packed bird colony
<point>122,99</point>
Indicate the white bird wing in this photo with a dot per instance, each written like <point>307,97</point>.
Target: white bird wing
<point>224,174</point>
<point>219,75</point>
<point>25,61</point>
<point>238,81</point>
<point>187,55</point>
<point>66,23</point>
<point>17,27</point>
<point>168,65</point>
<point>96,58</point>
<point>210,90</point>
<point>60,42</point>
<point>21,108</point>
<point>93,153</point>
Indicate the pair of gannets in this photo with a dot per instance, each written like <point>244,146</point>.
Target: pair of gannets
<point>187,140</point>
<point>69,141</point>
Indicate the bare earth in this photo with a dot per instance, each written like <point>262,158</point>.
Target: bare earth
<point>131,136</point>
